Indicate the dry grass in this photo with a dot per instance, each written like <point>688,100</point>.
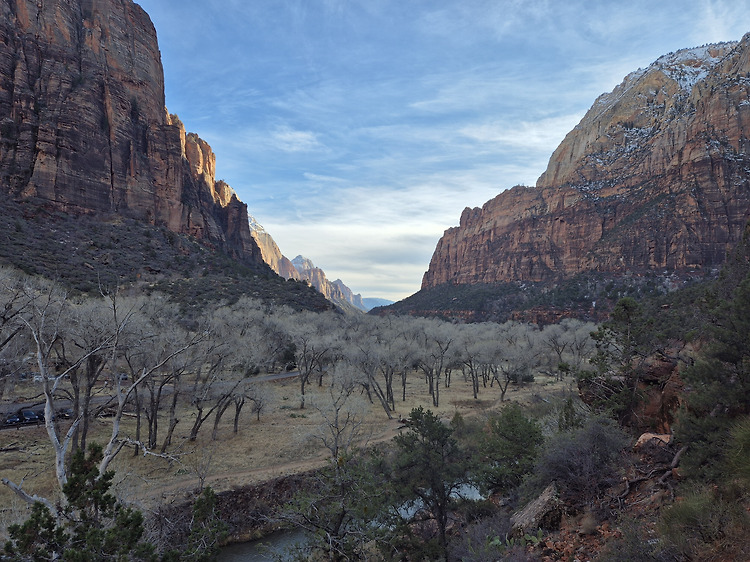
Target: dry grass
<point>281,443</point>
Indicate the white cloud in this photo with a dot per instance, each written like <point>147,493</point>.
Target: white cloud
<point>290,140</point>
<point>722,19</point>
<point>541,135</point>
<point>358,131</point>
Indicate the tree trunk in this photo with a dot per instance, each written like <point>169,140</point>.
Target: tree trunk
<point>239,402</point>
<point>138,408</point>
<point>224,404</point>
<point>173,421</point>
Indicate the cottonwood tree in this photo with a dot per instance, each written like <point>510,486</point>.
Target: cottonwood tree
<point>518,355</point>
<point>401,339</point>
<point>313,337</point>
<point>437,352</point>
<point>44,321</point>
<point>569,343</point>
<point>151,337</point>
<point>88,345</point>
<point>339,510</point>
<point>365,351</point>
<point>479,346</point>
<point>13,345</point>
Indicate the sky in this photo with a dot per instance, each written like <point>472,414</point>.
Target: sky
<point>357,131</point>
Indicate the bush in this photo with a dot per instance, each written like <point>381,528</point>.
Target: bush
<point>584,462</point>
<point>738,453</point>
<point>633,546</point>
<point>509,450</point>
<point>704,523</point>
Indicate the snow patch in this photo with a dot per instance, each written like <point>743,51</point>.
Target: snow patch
<point>687,67</point>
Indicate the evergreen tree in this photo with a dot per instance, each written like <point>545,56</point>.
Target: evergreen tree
<point>510,449</point>
<point>93,525</point>
<point>429,468</point>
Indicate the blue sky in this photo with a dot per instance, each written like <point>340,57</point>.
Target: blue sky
<point>358,130</point>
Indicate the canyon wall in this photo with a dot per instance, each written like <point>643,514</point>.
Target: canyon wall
<point>83,124</point>
<point>655,178</point>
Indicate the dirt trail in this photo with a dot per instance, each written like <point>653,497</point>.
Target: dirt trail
<point>237,479</point>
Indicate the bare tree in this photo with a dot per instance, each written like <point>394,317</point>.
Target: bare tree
<point>13,344</point>
<point>44,321</point>
<point>258,395</point>
<point>364,351</point>
<point>517,356</point>
<point>437,339</point>
<point>313,337</point>
<point>343,415</point>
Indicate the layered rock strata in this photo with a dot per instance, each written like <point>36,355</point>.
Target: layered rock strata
<point>303,269</point>
<point>655,178</point>
<point>83,123</point>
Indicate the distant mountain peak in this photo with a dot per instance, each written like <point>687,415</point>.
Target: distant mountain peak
<point>302,263</point>
<point>302,268</point>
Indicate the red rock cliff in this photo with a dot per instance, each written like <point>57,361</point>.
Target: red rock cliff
<point>83,123</point>
<point>656,177</point>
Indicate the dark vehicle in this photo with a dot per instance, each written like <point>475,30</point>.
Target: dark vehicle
<point>65,413</point>
<point>12,419</point>
<point>40,415</point>
<point>28,416</point>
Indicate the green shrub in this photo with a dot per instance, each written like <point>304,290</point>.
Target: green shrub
<point>739,452</point>
<point>509,450</point>
<point>704,523</point>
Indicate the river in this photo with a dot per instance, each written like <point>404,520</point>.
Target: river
<point>274,545</point>
<point>267,549</point>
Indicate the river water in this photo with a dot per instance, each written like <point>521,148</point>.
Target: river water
<point>276,544</point>
<point>267,549</point>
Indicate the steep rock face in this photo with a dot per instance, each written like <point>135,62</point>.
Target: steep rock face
<point>83,123</point>
<point>271,253</point>
<point>656,177</point>
<point>335,292</point>
<point>349,296</point>
<point>303,269</point>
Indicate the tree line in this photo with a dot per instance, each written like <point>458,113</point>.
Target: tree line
<point>152,358</point>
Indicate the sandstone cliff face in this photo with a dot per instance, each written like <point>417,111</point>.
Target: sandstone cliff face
<point>655,178</point>
<point>83,123</point>
<point>303,269</point>
<point>335,292</point>
<point>270,252</point>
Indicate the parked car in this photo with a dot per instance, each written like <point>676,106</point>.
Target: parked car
<point>28,416</point>
<point>65,413</point>
<point>12,419</point>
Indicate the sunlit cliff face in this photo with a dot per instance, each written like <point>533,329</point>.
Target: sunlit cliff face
<point>653,179</point>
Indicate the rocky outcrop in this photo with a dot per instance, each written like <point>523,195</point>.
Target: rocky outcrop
<point>83,124</point>
<point>655,178</point>
<point>349,296</point>
<point>335,292</point>
<point>303,269</point>
<point>271,253</point>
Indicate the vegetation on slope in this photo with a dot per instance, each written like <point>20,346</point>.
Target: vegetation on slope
<point>86,253</point>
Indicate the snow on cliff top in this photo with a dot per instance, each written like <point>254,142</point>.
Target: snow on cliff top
<point>255,226</point>
<point>686,67</point>
<point>689,66</point>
